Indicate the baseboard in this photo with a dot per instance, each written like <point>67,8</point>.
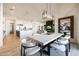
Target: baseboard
<point>77,46</point>
<point>73,43</point>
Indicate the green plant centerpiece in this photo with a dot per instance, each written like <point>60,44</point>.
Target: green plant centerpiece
<point>48,27</point>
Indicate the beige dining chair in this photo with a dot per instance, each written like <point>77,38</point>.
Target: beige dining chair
<point>62,44</point>
<point>27,47</point>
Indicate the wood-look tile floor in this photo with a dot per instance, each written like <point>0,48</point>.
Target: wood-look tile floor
<point>11,46</point>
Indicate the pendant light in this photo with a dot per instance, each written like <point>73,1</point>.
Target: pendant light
<point>47,13</point>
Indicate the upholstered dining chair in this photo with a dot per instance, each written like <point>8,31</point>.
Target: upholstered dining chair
<point>62,44</point>
<point>27,48</point>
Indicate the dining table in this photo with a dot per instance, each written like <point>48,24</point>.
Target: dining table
<point>44,40</point>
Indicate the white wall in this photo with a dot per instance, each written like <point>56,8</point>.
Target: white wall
<point>78,26</point>
<point>7,26</point>
<point>1,27</point>
<point>78,30</point>
<point>68,10</point>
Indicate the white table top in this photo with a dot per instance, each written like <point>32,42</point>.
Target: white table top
<point>45,39</point>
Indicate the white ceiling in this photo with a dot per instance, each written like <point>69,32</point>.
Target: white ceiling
<point>28,11</point>
<point>24,11</point>
<point>32,11</point>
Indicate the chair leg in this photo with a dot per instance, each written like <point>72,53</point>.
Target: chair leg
<point>69,45</point>
<point>24,52</point>
<point>66,50</point>
<point>21,50</point>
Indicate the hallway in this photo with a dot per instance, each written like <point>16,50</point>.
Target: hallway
<point>11,46</point>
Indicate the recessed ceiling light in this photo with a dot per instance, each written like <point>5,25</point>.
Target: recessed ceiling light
<point>12,8</point>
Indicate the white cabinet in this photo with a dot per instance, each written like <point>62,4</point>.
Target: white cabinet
<point>25,34</point>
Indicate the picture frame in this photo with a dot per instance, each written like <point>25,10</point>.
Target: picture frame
<point>66,26</point>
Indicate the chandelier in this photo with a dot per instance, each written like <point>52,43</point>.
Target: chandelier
<point>46,14</point>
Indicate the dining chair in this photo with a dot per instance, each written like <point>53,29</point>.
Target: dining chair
<point>62,44</point>
<point>27,48</point>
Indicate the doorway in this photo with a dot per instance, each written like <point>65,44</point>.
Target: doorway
<point>12,28</point>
